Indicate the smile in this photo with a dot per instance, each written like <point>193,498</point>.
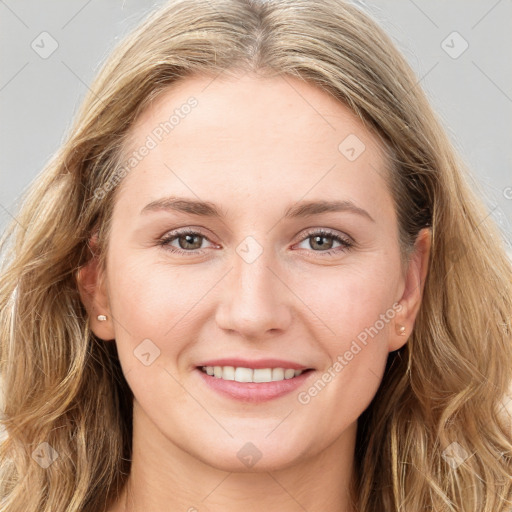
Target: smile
<point>241,374</point>
<point>253,384</point>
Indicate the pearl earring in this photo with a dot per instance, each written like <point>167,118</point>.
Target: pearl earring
<point>401,330</point>
<point>102,318</point>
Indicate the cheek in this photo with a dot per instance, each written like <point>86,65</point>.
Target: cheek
<point>151,297</point>
<point>342,392</point>
<point>348,300</point>
<point>356,313</point>
<point>153,310</point>
<point>165,304</point>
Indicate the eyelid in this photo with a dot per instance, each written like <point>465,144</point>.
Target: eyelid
<point>328,231</point>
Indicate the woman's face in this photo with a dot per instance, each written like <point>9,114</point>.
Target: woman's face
<point>256,225</point>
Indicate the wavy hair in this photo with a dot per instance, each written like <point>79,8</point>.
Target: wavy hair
<point>436,436</point>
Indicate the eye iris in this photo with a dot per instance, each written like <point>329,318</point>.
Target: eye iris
<point>315,240</point>
<point>188,238</point>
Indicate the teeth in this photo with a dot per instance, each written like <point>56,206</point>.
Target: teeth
<point>228,373</point>
<point>288,374</point>
<point>277,374</point>
<point>241,374</point>
<point>262,375</point>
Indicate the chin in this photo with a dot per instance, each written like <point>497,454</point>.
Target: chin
<point>252,456</point>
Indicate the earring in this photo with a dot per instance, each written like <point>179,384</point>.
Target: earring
<point>102,318</point>
<point>401,330</point>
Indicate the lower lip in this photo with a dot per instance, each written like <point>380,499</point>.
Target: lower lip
<point>254,391</point>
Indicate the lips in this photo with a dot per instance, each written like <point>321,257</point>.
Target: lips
<point>254,364</point>
<point>253,392</point>
<point>251,380</point>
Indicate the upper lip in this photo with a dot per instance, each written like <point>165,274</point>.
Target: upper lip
<point>255,364</point>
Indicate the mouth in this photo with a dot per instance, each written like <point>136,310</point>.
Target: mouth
<point>253,385</point>
<point>252,375</point>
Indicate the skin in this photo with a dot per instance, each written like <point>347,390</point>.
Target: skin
<point>254,147</point>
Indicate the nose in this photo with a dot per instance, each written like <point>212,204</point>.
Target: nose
<point>255,303</point>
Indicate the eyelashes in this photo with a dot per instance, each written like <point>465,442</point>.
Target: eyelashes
<point>318,236</point>
<point>176,235</point>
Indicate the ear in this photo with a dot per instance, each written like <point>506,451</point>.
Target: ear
<point>94,296</point>
<point>414,283</point>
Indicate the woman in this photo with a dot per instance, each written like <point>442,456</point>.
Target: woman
<point>255,275</point>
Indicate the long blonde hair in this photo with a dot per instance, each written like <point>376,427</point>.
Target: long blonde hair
<point>434,438</point>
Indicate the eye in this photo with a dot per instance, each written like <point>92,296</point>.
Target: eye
<point>188,241</point>
<point>322,240</point>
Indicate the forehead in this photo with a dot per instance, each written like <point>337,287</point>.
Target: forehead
<point>250,134</point>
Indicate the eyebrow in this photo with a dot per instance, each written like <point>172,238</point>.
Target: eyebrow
<point>308,208</point>
<point>208,209</point>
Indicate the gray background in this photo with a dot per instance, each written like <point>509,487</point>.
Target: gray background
<point>471,93</point>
